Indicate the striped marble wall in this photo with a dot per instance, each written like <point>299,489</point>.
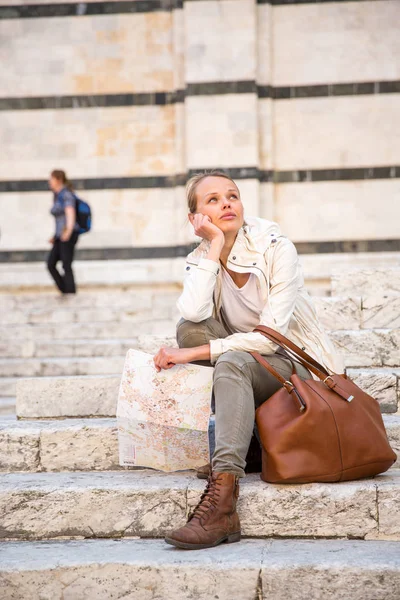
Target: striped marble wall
<point>298,100</point>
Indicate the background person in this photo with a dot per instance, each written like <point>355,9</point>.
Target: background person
<point>243,274</point>
<point>66,233</point>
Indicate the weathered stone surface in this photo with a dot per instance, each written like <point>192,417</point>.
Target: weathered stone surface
<point>68,444</point>
<point>368,348</point>
<point>381,311</point>
<point>50,367</point>
<point>389,510</point>
<point>338,570</point>
<point>152,343</point>
<point>7,406</point>
<point>19,446</point>
<point>339,313</point>
<point>71,331</point>
<point>320,510</point>
<point>79,446</point>
<point>364,282</point>
<point>48,505</point>
<point>151,570</point>
<point>8,386</point>
<point>392,424</point>
<point>91,505</point>
<point>82,444</point>
<point>67,396</point>
<point>378,383</point>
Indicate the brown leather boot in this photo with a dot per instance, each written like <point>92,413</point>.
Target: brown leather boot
<point>214,520</point>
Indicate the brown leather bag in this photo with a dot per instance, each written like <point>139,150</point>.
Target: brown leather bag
<point>321,430</point>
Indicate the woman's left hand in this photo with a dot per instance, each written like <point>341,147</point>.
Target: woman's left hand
<point>166,358</point>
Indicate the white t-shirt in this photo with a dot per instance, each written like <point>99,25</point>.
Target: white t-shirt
<point>241,307</point>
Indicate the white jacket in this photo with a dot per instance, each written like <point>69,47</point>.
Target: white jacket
<point>259,248</point>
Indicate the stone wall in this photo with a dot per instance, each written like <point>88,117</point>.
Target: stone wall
<point>299,101</point>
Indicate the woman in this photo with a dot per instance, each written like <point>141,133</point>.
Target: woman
<point>244,273</point>
<point>66,234</point>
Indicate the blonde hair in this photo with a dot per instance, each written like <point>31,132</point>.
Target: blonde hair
<point>194,181</point>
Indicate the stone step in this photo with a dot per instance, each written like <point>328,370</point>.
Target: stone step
<point>366,281</point>
<point>8,386</point>
<point>66,348</point>
<point>147,504</point>
<point>249,570</point>
<point>138,298</point>
<point>90,330</point>
<point>381,383</point>
<point>7,405</point>
<point>85,396</point>
<point>84,444</point>
<point>47,397</point>
<point>61,367</point>
<point>335,313</point>
<point>102,314</point>
<point>369,347</point>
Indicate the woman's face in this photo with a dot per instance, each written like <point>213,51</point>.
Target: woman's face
<point>55,184</point>
<point>219,199</point>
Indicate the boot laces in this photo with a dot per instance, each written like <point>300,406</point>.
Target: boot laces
<point>208,500</point>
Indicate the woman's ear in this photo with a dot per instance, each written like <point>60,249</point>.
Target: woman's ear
<point>191,217</point>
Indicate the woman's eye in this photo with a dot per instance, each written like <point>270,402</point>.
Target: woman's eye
<point>212,200</point>
<point>234,196</point>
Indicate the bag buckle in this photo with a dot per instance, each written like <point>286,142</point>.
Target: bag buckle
<point>329,385</point>
<point>290,390</point>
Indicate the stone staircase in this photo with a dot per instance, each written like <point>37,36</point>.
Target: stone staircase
<point>75,525</point>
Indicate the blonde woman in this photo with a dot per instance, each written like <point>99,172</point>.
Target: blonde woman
<point>244,273</point>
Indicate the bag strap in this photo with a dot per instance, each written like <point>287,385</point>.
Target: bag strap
<point>288,385</point>
<point>305,359</point>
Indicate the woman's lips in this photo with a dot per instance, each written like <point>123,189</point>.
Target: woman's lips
<point>228,217</point>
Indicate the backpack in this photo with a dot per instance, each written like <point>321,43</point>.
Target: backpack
<point>83,214</point>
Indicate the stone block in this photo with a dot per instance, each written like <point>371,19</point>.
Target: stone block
<point>368,348</point>
<point>8,386</point>
<point>298,124</point>
<point>68,366</point>
<point>92,505</point>
<point>366,281</point>
<point>73,40</point>
<point>68,396</point>
<point>389,510</point>
<point>19,446</point>
<point>381,384</point>
<point>148,504</point>
<point>145,569</point>
<point>340,35</point>
<point>210,29</point>
<point>120,141</point>
<point>392,424</point>
<point>338,313</point>
<point>83,445</point>
<point>310,510</point>
<point>140,569</point>
<point>349,214</point>
<point>221,130</point>
<point>381,311</point>
<point>90,331</point>
<point>331,569</point>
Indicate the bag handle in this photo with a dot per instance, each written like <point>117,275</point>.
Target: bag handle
<point>305,359</point>
<point>288,385</point>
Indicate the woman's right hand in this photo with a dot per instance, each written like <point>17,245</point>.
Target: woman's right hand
<point>52,240</point>
<point>204,228</point>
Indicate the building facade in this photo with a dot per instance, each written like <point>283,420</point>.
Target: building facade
<point>299,101</point>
